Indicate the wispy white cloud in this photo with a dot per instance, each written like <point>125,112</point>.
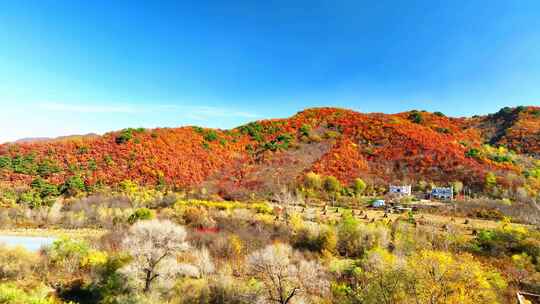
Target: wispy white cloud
<point>187,111</point>
<point>57,118</point>
<point>204,112</point>
<point>73,108</point>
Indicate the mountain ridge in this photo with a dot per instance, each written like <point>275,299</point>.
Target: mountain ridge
<point>52,139</point>
<point>380,148</point>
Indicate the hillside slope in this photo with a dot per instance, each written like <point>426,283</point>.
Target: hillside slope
<point>261,156</point>
<point>518,128</point>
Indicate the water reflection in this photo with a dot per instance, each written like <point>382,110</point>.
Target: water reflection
<point>32,243</point>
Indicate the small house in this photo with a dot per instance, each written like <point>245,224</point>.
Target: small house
<point>442,193</point>
<point>400,190</point>
<point>378,204</point>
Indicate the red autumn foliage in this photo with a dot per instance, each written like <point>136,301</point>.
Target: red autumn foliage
<point>342,143</point>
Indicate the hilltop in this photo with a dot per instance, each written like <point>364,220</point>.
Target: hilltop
<point>518,128</point>
<point>49,139</point>
<point>262,156</point>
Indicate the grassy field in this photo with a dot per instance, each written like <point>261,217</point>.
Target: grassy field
<point>464,225</point>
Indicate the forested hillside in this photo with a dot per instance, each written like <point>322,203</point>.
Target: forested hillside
<point>482,152</point>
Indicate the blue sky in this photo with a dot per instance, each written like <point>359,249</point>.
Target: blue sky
<point>71,67</point>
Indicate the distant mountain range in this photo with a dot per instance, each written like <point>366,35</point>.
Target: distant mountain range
<point>264,155</point>
<point>50,139</point>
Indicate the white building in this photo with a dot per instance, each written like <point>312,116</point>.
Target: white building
<point>442,193</point>
<point>400,190</point>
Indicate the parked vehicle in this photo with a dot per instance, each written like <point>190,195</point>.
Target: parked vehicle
<point>378,204</point>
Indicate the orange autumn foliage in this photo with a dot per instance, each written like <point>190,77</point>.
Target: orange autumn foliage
<point>337,142</point>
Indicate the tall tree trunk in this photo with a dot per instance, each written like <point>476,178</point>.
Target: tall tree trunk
<point>147,281</point>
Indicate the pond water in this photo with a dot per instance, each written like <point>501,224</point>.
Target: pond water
<point>32,243</point>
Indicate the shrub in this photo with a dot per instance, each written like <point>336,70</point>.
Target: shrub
<point>73,186</point>
<point>210,204</point>
<point>381,277</point>
<point>224,288</point>
<point>359,186</point>
<point>254,130</point>
<point>124,136</point>
<point>490,180</point>
<point>91,165</point>
<point>440,114</point>
<point>10,294</point>
<point>192,290</point>
<point>110,284</point>
<point>5,162</point>
<point>280,142</point>
<point>504,111</point>
<point>31,198</point>
<point>315,238</point>
<point>331,134</point>
<point>489,213</point>
<point>196,217</point>
<point>473,153</point>
<point>457,187</point>
<point>416,117</point>
<point>348,236</point>
<point>331,184</point>
<point>44,188</point>
<point>46,168</point>
<point>8,197</point>
<point>17,263</point>
<point>128,187</point>
<point>501,241</point>
<point>141,214</point>
<point>262,208</point>
<point>211,135</point>
<point>354,238</point>
<point>108,160</point>
<point>24,164</point>
<point>315,138</point>
<point>198,129</point>
<point>69,255</point>
<point>313,180</point>
<point>443,130</point>
<point>305,129</point>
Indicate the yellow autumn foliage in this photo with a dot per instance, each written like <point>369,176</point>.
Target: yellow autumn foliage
<point>440,277</point>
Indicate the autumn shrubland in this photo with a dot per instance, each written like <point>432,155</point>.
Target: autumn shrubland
<point>156,249</point>
<point>278,211</point>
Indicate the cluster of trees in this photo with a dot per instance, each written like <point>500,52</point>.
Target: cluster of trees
<point>408,146</point>
<point>164,246</point>
<point>522,135</point>
<point>254,257</point>
<point>178,157</point>
<point>330,188</point>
